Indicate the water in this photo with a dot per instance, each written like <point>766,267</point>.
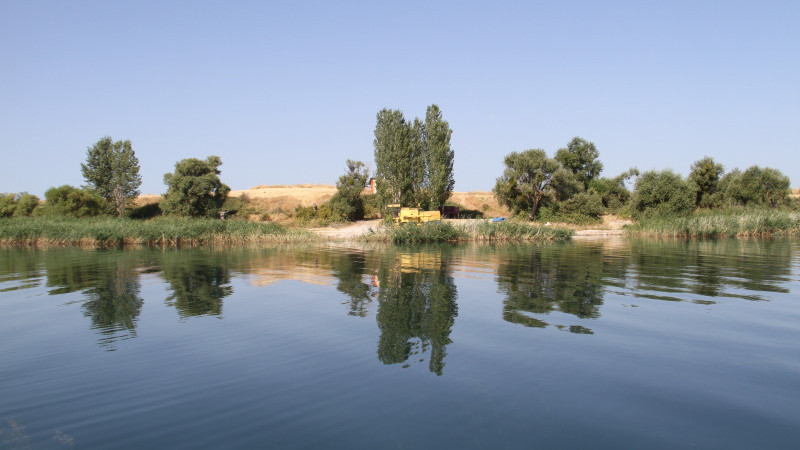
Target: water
<point>606,344</point>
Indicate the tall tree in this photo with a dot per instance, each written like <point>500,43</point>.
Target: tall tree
<point>580,158</point>
<point>347,201</point>
<point>705,175</point>
<point>528,180</point>
<point>194,189</point>
<point>438,157</point>
<point>112,171</point>
<point>393,158</point>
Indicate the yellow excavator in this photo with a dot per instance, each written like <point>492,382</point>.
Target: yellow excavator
<point>412,215</point>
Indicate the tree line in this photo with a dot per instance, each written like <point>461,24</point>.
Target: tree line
<point>568,186</point>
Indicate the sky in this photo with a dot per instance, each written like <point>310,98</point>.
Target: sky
<point>286,91</point>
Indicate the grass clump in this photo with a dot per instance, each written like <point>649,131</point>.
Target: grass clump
<point>507,231</point>
<point>479,231</point>
<point>721,223</point>
<point>161,231</point>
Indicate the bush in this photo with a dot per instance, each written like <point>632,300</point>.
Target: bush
<point>147,211</point>
<point>70,201</point>
<point>756,187</point>
<point>8,205</point>
<point>662,193</point>
<point>584,203</point>
<point>26,203</point>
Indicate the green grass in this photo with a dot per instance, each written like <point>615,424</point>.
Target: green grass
<point>162,232</point>
<point>481,231</point>
<point>721,223</point>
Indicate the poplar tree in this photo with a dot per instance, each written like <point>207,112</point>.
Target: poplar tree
<point>438,157</point>
<point>112,171</point>
<point>393,158</point>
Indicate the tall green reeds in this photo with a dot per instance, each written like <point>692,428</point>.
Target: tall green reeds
<point>479,231</point>
<point>726,223</point>
<point>162,231</point>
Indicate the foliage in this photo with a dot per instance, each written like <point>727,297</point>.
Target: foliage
<point>347,201</point>
<point>194,189</point>
<point>112,171</point>
<point>394,157</point>
<point>721,223</point>
<point>8,205</point>
<point>756,186</point>
<point>426,233</point>
<point>414,161</point>
<point>147,211</point>
<point>527,181</point>
<point>438,157</point>
<point>705,175</point>
<point>70,201</point>
<point>161,232</point>
<point>585,204</point>
<point>662,193</point>
<point>581,158</point>
<point>26,203</point>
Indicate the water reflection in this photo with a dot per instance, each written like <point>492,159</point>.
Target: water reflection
<point>411,291</point>
<point>539,280</point>
<point>198,281</point>
<point>417,308</point>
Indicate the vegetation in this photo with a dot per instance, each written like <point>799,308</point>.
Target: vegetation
<point>18,205</point>
<point>414,161</point>
<point>162,232</point>
<point>73,202</point>
<point>347,202</point>
<point>112,171</point>
<point>720,223</point>
<point>662,193</point>
<point>581,158</point>
<point>194,189</point>
<point>704,176</point>
<point>481,231</point>
<point>528,180</point>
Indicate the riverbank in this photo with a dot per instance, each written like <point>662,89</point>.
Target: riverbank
<point>725,223</point>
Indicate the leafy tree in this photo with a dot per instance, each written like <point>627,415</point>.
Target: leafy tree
<point>194,189</point>
<point>705,175</point>
<point>612,191</point>
<point>112,171</point>
<point>580,158</point>
<point>394,158</point>
<point>26,203</point>
<point>588,203</point>
<point>70,201</point>
<point>756,186</point>
<point>438,157</point>
<point>8,205</point>
<point>527,181</point>
<point>347,200</point>
<point>662,193</point>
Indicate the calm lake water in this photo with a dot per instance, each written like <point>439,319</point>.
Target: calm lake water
<point>604,344</point>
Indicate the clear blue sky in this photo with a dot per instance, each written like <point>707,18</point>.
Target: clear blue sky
<point>285,92</point>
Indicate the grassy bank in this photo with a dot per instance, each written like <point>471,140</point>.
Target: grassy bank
<point>727,223</point>
<point>161,232</point>
<point>482,231</point>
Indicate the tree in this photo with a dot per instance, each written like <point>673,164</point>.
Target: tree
<point>112,171</point>
<point>438,157</point>
<point>756,186</point>
<point>662,193</point>
<point>580,158</point>
<point>347,201</point>
<point>70,201</point>
<point>613,192</point>
<point>527,181</point>
<point>194,189</point>
<point>394,158</point>
<point>26,203</point>
<point>705,175</point>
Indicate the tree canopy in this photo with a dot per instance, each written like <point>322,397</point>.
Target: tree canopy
<point>527,181</point>
<point>705,175</point>
<point>581,158</point>
<point>112,171</point>
<point>194,189</point>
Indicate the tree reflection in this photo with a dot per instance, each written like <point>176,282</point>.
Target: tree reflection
<point>114,303</point>
<point>350,269</point>
<point>417,308</point>
<point>540,280</point>
<point>198,281</point>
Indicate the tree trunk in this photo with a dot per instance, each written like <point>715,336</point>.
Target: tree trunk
<point>536,200</point>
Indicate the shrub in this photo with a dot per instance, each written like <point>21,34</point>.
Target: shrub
<point>70,201</point>
<point>584,203</point>
<point>7,205</point>
<point>662,193</point>
<point>756,186</point>
<point>26,203</point>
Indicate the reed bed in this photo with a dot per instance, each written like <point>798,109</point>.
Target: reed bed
<point>159,232</point>
<point>713,224</point>
<point>477,231</point>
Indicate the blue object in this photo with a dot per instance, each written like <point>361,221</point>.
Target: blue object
<point>499,219</point>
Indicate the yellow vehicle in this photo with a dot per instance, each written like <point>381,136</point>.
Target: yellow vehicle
<point>413,215</point>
